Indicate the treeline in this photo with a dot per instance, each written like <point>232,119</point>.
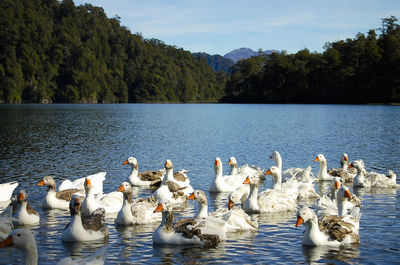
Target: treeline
<point>54,51</point>
<point>365,69</point>
<point>217,62</point>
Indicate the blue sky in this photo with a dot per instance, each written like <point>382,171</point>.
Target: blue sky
<point>220,26</point>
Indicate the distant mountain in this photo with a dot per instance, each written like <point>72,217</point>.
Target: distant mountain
<point>244,53</point>
<point>217,62</point>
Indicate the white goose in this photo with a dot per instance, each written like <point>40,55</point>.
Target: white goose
<point>24,213</point>
<point>97,182</point>
<point>111,202</point>
<point>145,179</point>
<point>323,168</point>
<point>330,231</point>
<point>140,212</point>
<point>226,183</point>
<point>238,196</point>
<point>184,232</point>
<point>56,199</point>
<point>235,218</point>
<point>245,170</point>
<point>300,174</point>
<point>180,178</point>
<point>84,227</point>
<point>170,191</point>
<point>342,205</point>
<point>23,239</point>
<point>304,190</point>
<point>372,179</point>
<point>6,226</point>
<point>6,190</point>
<point>345,173</point>
<point>270,200</point>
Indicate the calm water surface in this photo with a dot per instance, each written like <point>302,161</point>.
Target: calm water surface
<point>71,141</point>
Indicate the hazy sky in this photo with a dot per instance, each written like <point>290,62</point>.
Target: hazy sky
<point>220,26</point>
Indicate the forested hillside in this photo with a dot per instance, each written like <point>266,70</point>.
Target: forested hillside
<point>54,51</point>
<point>365,69</point>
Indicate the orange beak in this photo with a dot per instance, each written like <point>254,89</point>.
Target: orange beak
<point>246,181</point>
<point>230,204</point>
<point>268,172</point>
<point>337,184</point>
<point>346,159</point>
<point>351,165</point>
<point>316,159</point>
<point>347,194</point>
<point>159,208</point>
<point>41,183</point>
<point>300,220</point>
<point>167,165</point>
<point>6,242</point>
<point>216,162</point>
<point>230,162</point>
<point>125,162</point>
<point>191,196</point>
<point>21,196</point>
<point>121,188</point>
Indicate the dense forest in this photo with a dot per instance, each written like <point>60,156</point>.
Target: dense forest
<point>365,69</point>
<point>54,51</point>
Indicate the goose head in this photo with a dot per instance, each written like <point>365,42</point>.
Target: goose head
<point>276,156</point>
<point>165,207</point>
<point>336,183</point>
<point>344,160</point>
<point>19,238</point>
<point>131,161</point>
<point>343,193</point>
<point>22,196</point>
<point>218,166</point>
<point>357,164</point>
<point>320,158</point>
<point>168,164</point>
<point>304,214</point>
<point>252,180</point>
<point>276,173</point>
<point>126,189</point>
<point>49,182</point>
<point>199,196</point>
<point>232,161</point>
<point>75,205</point>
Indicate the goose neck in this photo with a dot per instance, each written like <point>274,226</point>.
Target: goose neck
<point>203,212</point>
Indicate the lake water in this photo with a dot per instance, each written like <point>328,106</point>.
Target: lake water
<point>72,141</point>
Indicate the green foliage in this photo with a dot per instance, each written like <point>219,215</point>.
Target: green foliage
<point>365,69</point>
<point>54,51</point>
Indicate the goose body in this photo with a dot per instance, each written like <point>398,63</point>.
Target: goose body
<point>6,190</point>
<point>144,179</point>
<point>97,182</point>
<point>238,196</point>
<point>245,170</point>
<point>270,200</point>
<point>170,191</point>
<point>345,173</point>
<point>140,212</point>
<point>179,178</point>
<point>184,232</point>
<point>110,202</point>
<point>330,231</point>
<point>84,227</point>
<point>226,183</point>
<point>372,179</point>
<point>56,199</point>
<point>233,220</point>
<point>25,214</point>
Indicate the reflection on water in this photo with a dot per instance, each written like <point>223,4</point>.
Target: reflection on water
<point>325,254</point>
<point>71,141</point>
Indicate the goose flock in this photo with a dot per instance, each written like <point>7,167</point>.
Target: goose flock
<point>331,217</point>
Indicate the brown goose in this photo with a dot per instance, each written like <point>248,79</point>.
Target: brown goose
<point>56,199</point>
<point>84,227</point>
<point>184,232</point>
<point>148,178</point>
<point>345,173</point>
